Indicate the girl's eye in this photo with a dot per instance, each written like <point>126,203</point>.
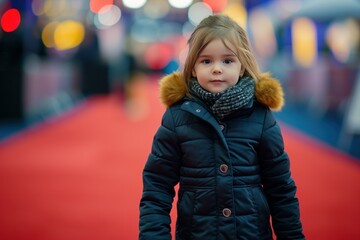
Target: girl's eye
<point>228,61</point>
<point>206,61</point>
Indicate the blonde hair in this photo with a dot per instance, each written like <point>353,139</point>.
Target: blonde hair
<point>224,28</point>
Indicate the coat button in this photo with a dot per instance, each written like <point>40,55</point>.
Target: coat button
<point>198,110</point>
<point>222,127</point>
<point>226,212</point>
<point>224,168</point>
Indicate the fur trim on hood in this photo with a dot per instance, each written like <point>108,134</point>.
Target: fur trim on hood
<point>268,90</point>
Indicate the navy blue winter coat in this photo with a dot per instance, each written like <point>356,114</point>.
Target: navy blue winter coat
<point>233,173</point>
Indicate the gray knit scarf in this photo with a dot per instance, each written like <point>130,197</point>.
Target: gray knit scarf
<point>229,100</point>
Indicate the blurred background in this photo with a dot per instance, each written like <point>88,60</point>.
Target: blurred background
<point>100,60</point>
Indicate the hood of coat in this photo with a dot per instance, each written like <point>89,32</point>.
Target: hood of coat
<point>268,90</point>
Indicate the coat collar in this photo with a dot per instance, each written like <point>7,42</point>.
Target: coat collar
<point>268,90</point>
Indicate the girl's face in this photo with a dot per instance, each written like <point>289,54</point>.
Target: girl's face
<point>217,67</point>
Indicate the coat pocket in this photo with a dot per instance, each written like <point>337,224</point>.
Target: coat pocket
<point>263,203</point>
<point>185,211</point>
<point>263,212</point>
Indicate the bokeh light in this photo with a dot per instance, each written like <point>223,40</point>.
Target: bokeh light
<point>134,3</point>
<point>216,5</point>
<point>47,34</point>
<point>237,12</point>
<point>304,41</point>
<point>158,55</point>
<point>111,42</point>
<point>68,34</point>
<point>109,15</point>
<point>199,11</point>
<point>180,3</point>
<point>264,40</point>
<point>342,39</point>
<point>97,5</point>
<point>10,20</point>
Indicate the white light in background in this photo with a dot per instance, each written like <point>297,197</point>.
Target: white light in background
<point>342,38</point>
<point>180,3</point>
<point>109,15</point>
<point>134,3</point>
<point>199,11</point>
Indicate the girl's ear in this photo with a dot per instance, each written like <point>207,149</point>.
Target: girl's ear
<point>242,71</point>
<point>193,73</point>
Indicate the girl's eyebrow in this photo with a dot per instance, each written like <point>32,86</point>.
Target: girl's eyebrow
<point>204,55</point>
<point>230,55</point>
<point>209,55</point>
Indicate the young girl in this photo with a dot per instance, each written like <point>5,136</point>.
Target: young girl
<point>219,140</point>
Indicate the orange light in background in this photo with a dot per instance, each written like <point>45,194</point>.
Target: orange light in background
<point>47,34</point>
<point>68,34</point>
<point>10,20</point>
<point>304,41</point>
<point>97,5</point>
<point>216,5</point>
<point>158,55</point>
<point>237,12</point>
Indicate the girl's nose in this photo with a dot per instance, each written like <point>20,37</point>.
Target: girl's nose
<point>217,68</point>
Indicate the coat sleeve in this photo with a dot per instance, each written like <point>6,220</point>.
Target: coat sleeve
<point>160,175</point>
<point>279,187</point>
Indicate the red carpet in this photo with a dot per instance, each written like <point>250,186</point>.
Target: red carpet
<point>78,177</point>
